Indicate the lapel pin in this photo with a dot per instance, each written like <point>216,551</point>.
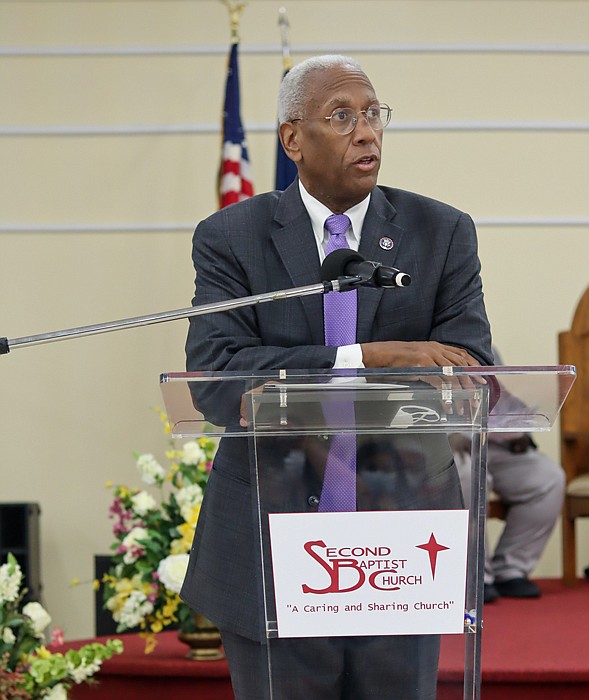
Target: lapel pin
<point>386,243</point>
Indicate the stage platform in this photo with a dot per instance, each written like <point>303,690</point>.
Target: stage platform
<point>532,649</point>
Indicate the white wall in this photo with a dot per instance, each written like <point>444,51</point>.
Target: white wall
<point>73,412</point>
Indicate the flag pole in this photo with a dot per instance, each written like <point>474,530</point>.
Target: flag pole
<point>235,9</point>
<point>286,170</point>
<point>284,25</point>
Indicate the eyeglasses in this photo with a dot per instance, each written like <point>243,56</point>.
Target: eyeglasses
<point>343,120</point>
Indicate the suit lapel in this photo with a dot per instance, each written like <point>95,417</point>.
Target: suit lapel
<point>378,226</point>
<point>295,242</point>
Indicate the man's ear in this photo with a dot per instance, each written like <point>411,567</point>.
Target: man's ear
<point>289,141</point>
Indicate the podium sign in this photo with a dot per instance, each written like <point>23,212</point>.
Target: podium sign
<point>390,572</point>
<point>408,563</point>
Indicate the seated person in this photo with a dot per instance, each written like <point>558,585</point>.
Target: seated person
<point>531,485</point>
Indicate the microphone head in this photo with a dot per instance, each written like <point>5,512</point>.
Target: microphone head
<point>334,265</point>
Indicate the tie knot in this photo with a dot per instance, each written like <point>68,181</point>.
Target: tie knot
<point>337,224</point>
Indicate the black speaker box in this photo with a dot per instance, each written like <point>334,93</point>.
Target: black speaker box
<point>19,534</point>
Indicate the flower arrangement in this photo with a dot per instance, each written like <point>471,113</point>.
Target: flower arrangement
<point>29,670</point>
<point>153,535</point>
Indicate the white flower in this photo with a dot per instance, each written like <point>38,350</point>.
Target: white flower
<point>39,616</point>
<point>172,570</point>
<point>85,670</point>
<point>133,549</point>
<point>143,502</point>
<point>192,453</point>
<point>10,580</point>
<point>58,692</point>
<point>151,472</point>
<point>8,636</point>
<point>187,498</point>
<point>134,610</point>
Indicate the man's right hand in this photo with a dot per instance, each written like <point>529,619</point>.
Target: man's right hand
<point>399,353</point>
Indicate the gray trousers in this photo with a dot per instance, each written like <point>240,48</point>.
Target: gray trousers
<point>532,486</point>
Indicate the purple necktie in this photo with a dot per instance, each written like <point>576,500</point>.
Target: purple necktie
<point>340,310</point>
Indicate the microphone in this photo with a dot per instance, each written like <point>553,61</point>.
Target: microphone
<point>345,262</point>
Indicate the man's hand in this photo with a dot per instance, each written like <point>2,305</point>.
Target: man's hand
<point>399,353</point>
<point>245,399</point>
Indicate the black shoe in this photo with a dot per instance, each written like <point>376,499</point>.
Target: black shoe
<point>518,588</point>
<point>490,593</point>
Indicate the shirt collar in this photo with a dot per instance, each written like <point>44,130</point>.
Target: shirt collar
<point>318,212</point>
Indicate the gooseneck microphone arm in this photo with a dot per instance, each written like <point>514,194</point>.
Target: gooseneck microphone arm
<point>341,271</point>
<point>338,285</point>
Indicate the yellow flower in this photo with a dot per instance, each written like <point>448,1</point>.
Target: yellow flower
<point>178,547</point>
<point>43,653</point>
<point>150,642</point>
<point>140,585</point>
<point>123,588</point>
<point>167,614</point>
<point>169,609</point>
<point>116,602</point>
<point>164,420</point>
<point>192,518</point>
<point>123,585</point>
<point>156,627</point>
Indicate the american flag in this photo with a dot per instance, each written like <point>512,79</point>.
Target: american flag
<point>235,182</point>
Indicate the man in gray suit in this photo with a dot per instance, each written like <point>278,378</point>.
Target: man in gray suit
<point>331,126</point>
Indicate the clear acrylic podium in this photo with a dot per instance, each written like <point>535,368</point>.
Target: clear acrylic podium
<point>409,560</point>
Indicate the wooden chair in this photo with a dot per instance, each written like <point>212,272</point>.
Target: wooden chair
<point>573,347</point>
<point>495,507</point>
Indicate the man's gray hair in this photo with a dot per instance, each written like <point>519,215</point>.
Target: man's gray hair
<point>294,89</point>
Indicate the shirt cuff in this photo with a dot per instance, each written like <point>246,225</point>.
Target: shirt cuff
<point>348,356</point>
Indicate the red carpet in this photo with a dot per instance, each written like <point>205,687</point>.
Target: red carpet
<point>531,648</point>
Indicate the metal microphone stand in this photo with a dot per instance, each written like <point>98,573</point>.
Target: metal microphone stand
<point>341,284</point>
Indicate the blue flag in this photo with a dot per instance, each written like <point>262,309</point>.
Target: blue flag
<point>286,170</point>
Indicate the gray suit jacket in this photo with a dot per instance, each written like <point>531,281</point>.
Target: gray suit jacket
<point>264,244</point>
